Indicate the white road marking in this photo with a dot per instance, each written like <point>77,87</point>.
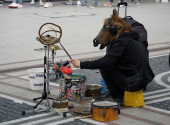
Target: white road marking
<point>93,121</point>
<point>45,120</point>
<point>157,109</point>
<point>158,100</point>
<point>27,118</point>
<point>153,92</point>
<point>15,99</point>
<point>155,96</point>
<point>159,81</point>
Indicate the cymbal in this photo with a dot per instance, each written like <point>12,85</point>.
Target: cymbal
<point>48,39</point>
<point>53,47</point>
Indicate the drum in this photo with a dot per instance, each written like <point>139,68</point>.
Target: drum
<point>74,89</point>
<point>105,111</point>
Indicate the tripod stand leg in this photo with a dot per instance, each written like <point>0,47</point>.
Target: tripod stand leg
<point>34,99</point>
<point>38,103</point>
<point>51,98</point>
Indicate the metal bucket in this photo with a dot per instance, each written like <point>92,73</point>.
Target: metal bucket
<point>74,89</point>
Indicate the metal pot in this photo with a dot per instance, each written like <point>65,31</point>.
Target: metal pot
<point>93,90</point>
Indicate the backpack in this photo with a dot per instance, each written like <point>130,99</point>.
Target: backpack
<point>138,27</point>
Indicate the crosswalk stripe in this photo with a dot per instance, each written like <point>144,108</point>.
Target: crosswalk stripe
<point>27,118</point>
<point>158,100</point>
<point>44,120</point>
<point>153,92</point>
<point>155,96</point>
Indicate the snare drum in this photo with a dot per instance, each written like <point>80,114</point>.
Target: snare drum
<point>105,111</point>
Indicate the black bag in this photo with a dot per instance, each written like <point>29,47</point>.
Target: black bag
<point>134,83</point>
<point>138,27</point>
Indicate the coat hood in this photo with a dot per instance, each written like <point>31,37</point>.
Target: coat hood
<point>131,34</point>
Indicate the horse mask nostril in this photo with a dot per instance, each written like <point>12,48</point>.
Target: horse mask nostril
<point>95,42</point>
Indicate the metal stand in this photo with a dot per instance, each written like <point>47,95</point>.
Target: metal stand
<point>45,94</point>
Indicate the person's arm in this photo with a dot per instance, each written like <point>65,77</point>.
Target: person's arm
<point>108,60</point>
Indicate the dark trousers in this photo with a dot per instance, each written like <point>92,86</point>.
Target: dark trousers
<point>114,81</point>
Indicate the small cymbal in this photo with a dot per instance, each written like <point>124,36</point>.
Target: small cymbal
<point>53,47</point>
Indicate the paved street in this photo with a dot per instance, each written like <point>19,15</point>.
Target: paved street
<point>18,30</point>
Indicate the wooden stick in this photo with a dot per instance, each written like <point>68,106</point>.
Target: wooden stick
<point>83,117</point>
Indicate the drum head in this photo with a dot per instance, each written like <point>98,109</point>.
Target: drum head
<point>105,104</point>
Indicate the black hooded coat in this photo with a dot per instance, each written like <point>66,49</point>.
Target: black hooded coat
<point>124,59</point>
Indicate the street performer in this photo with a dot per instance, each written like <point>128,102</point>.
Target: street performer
<point>126,57</point>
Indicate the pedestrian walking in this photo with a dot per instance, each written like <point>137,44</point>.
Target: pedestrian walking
<point>16,5</point>
<point>137,2</point>
<point>69,2</point>
<point>40,1</point>
<point>84,4</point>
<point>110,3</point>
<point>48,4</point>
<point>1,3</point>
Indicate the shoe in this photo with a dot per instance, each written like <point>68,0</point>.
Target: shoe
<point>69,3</point>
<point>93,6</point>
<point>20,5</point>
<point>46,5</point>
<point>32,2</point>
<point>108,4</point>
<point>82,5</point>
<point>78,3</point>
<point>130,1</point>
<point>1,4</point>
<point>13,5</point>
<point>51,4</point>
<point>41,3</point>
<point>137,2</point>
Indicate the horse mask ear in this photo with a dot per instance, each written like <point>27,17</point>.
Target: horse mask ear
<point>115,15</point>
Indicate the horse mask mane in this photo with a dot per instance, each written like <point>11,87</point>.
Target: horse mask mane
<point>105,36</point>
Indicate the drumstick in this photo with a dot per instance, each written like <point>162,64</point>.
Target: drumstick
<point>83,117</point>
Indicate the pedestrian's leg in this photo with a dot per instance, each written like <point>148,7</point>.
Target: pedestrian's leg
<point>20,1</point>
<point>96,2</point>
<point>85,2</point>
<point>69,2</point>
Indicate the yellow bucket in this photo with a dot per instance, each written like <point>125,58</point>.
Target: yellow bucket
<point>134,99</point>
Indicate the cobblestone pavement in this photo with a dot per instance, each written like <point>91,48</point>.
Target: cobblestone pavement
<point>156,99</point>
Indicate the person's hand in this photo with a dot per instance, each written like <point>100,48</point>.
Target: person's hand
<point>76,63</point>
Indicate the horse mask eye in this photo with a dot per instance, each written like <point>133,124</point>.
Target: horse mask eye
<point>106,27</point>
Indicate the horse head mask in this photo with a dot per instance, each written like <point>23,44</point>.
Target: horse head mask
<point>111,29</point>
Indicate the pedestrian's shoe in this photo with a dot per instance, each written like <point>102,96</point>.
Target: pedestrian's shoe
<point>1,4</point>
<point>82,5</point>
<point>50,4</point>
<point>93,6</point>
<point>78,3</point>
<point>69,3</point>
<point>137,2</point>
<point>13,5</point>
<point>41,3</point>
<point>108,4</point>
<point>20,5</point>
<point>32,2</point>
<point>46,5</point>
